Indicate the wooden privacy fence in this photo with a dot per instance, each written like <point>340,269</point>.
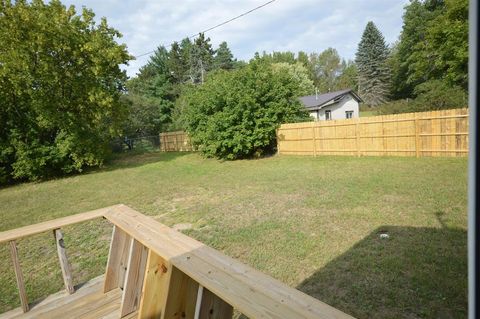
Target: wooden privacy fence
<point>435,133</point>
<point>175,142</point>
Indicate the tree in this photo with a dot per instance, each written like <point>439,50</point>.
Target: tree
<point>159,62</point>
<point>302,57</point>
<point>373,72</point>
<point>150,96</point>
<point>201,58</point>
<point>223,57</point>
<point>235,113</point>
<point>299,73</point>
<point>446,42</point>
<point>348,76</point>
<point>433,45</point>
<point>177,65</point>
<point>327,69</point>
<point>60,85</point>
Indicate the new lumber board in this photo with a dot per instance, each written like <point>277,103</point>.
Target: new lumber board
<point>30,230</point>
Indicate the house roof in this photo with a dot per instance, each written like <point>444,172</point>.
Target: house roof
<point>314,101</point>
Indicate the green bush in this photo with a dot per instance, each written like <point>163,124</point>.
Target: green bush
<point>432,95</point>
<point>234,114</point>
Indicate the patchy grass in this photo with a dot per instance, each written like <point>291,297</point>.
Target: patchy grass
<point>368,113</point>
<point>313,223</point>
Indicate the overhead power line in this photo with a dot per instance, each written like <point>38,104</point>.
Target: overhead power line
<point>215,26</point>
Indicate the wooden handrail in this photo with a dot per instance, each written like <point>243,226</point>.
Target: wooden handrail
<point>30,230</point>
<point>180,268</point>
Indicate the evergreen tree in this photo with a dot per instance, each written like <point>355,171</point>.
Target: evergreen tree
<point>223,57</point>
<point>186,53</point>
<point>176,64</point>
<point>373,72</point>
<point>201,58</point>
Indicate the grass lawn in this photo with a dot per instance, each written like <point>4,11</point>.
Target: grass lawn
<point>313,223</point>
<point>368,113</point>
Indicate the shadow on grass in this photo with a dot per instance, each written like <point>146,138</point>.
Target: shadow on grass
<point>131,160</point>
<point>415,273</point>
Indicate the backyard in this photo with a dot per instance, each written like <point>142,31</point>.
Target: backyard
<point>313,223</point>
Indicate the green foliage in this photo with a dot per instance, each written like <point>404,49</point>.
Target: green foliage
<point>201,58</point>
<point>223,58</point>
<point>60,85</point>
<point>373,72</point>
<point>348,76</point>
<point>235,114</point>
<point>433,45</point>
<point>439,95</point>
<point>326,68</point>
<point>331,73</point>
<point>299,73</point>
<point>431,95</point>
<point>447,43</point>
<point>154,95</point>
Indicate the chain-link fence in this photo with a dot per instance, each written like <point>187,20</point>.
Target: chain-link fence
<point>139,144</point>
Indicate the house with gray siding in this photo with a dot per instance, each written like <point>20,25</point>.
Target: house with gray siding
<point>337,105</point>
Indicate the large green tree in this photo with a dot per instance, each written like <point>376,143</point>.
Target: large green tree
<point>326,68</point>
<point>373,72</point>
<point>235,113</point>
<point>223,58</point>
<point>151,94</point>
<point>201,58</point>
<point>60,84</point>
<point>433,45</point>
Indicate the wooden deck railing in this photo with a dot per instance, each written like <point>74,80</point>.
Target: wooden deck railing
<point>165,274</point>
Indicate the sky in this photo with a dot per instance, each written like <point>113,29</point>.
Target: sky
<point>293,25</point>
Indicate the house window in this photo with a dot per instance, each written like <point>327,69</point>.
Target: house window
<point>328,115</point>
<point>349,114</point>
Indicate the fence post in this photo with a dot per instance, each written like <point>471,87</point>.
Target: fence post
<point>417,137</point>
<point>314,140</point>
<point>278,140</point>
<point>357,136</point>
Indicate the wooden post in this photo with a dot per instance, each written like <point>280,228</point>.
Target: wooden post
<point>417,137</point>
<point>384,146</point>
<point>213,307</point>
<point>314,140</point>
<point>182,296</point>
<point>117,260</point>
<point>155,287</point>
<point>132,289</point>
<point>357,136</point>
<point>19,276</point>
<point>278,140</point>
<point>62,257</point>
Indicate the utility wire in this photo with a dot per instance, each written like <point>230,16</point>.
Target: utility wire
<point>214,27</point>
